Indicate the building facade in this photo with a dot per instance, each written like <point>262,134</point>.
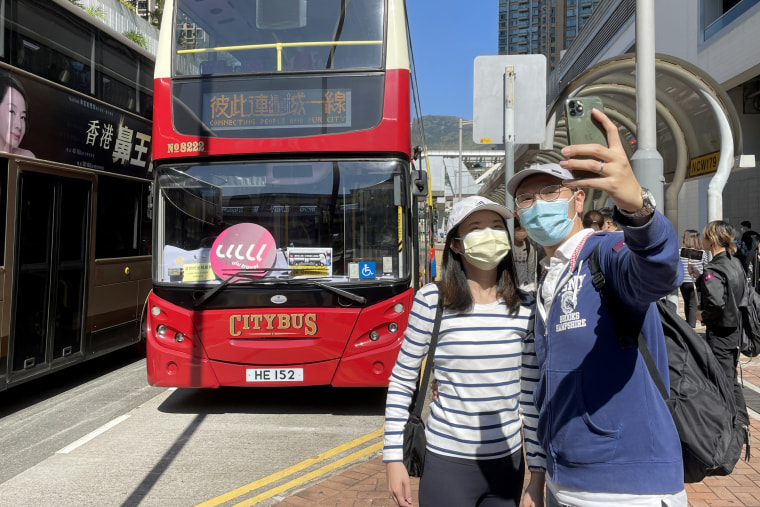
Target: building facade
<point>715,36</point>
<point>546,27</point>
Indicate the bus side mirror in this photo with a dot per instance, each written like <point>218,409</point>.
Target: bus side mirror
<point>419,183</point>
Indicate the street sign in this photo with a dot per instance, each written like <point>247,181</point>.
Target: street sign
<point>529,98</point>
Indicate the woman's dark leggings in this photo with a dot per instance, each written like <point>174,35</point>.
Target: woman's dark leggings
<point>457,482</point>
<point>689,303</point>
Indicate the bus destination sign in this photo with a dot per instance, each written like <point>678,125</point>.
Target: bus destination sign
<point>268,109</point>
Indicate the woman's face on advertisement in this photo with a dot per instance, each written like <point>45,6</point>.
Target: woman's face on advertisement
<point>12,131</point>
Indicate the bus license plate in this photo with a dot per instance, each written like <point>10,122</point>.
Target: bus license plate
<point>274,375</point>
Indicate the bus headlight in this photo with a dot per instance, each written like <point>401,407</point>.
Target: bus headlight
<point>156,311</point>
<point>374,335</point>
<point>392,327</point>
<point>161,329</point>
<point>398,308</point>
<point>179,337</point>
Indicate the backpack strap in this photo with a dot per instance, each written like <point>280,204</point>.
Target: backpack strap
<point>622,320</point>
<point>418,399</point>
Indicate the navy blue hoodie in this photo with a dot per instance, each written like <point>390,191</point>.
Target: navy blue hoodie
<point>602,422</point>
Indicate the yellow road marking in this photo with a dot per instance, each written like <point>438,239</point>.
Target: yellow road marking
<point>311,475</point>
<point>298,467</point>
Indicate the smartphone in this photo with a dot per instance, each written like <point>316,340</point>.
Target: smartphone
<point>582,128</point>
<point>691,253</point>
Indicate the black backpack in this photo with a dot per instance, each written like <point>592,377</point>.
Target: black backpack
<point>711,427</point>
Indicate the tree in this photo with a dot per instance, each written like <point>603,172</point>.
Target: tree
<point>157,14</point>
<point>137,38</point>
<point>129,5</point>
<point>96,12</point>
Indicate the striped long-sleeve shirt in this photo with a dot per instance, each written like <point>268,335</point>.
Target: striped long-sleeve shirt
<point>486,369</point>
<point>699,264</point>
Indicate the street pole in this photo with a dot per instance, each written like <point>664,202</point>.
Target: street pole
<point>460,159</point>
<point>647,163</point>
<point>509,135</point>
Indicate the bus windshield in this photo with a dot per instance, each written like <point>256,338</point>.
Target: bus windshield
<point>336,220</point>
<point>245,36</point>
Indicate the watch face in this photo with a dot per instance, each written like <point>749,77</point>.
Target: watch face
<point>648,199</point>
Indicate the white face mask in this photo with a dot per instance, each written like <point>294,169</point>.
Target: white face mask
<point>486,248</point>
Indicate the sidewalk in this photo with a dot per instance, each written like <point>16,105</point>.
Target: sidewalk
<point>364,484</point>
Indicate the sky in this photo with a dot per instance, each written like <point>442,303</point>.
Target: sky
<point>447,35</point>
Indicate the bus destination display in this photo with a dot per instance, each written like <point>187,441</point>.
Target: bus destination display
<point>277,109</point>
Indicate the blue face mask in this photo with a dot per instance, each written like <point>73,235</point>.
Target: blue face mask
<point>546,222</point>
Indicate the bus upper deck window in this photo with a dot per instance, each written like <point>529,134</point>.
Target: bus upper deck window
<point>280,14</point>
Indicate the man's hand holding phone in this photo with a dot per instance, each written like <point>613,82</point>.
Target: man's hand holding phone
<point>613,172</point>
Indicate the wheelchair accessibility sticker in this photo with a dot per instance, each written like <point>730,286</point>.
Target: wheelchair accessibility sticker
<point>367,270</point>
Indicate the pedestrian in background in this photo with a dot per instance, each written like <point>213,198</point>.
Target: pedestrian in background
<point>722,287</point>
<point>692,270</point>
<point>526,256</point>
<point>609,224</point>
<point>593,219</point>
<point>609,438</point>
<point>748,235</point>
<point>484,370</point>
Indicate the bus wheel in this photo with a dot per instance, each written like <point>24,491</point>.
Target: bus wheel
<point>141,345</point>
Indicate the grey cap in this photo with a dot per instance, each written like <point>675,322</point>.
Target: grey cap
<point>551,169</point>
<point>470,205</point>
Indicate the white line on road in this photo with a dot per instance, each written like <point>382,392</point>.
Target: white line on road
<point>93,434</point>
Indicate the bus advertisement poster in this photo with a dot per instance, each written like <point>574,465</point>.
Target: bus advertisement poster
<point>310,261</point>
<point>74,129</point>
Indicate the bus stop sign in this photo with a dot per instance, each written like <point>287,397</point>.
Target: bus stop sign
<point>529,98</point>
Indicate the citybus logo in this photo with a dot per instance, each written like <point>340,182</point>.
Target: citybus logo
<point>243,247</point>
<point>273,324</point>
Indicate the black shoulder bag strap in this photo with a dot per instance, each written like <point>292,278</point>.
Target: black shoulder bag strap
<point>622,320</point>
<point>419,393</point>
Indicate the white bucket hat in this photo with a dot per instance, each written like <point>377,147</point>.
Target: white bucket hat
<point>470,205</point>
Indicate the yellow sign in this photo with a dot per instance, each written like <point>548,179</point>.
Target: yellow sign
<point>485,140</point>
<point>198,272</point>
<point>309,271</point>
<point>705,164</point>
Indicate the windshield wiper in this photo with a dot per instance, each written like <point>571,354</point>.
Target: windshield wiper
<point>249,277</point>
<point>340,292</point>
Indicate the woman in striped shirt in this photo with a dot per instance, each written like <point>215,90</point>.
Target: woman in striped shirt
<point>692,269</point>
<point>485,370</point>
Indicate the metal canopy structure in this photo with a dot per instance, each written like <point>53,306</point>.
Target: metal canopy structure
<point>695,118</point>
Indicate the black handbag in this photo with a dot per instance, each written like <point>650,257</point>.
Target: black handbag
<point>414,430</point>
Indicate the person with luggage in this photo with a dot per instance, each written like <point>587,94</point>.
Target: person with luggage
<point>484,369</point>
<point>722,288</point>
<point>607,433</point>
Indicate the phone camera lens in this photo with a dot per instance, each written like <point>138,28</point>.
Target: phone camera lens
<point>572,112</point>
<point>579,107</point>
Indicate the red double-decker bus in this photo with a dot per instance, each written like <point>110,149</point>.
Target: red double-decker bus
<point>286,245</point>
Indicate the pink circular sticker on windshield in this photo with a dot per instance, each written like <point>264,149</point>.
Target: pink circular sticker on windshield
<point>243,247</point>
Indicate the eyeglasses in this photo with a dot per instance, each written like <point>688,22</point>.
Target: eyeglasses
<point>550,193</point>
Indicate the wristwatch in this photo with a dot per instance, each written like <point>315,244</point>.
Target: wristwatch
<point>645,210</point>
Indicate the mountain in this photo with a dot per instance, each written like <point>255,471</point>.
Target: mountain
<point>442,133</point>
